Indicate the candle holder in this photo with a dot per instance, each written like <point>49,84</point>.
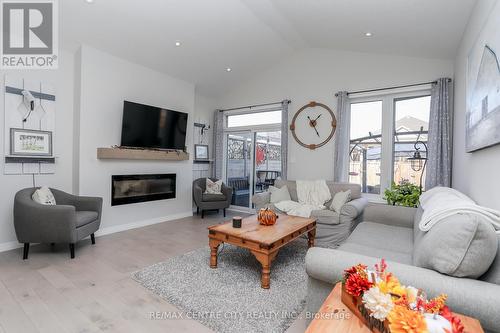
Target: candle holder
<point>237,222</point>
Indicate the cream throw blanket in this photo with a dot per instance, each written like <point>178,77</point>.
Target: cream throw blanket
<point>312,195</point>
<point>442,202</point>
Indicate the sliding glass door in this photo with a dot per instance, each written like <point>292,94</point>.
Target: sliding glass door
<point>252,146</point>
<point>267,159</point>
<point>253,163</point>
<point>239,166</point>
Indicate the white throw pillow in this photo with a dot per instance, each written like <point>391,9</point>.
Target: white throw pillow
<point>279,194</point>
<point>213,187</point>
<point>44,196</point>
<point>340,199</point>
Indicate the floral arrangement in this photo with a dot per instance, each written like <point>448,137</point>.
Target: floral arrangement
<point>387,305</point>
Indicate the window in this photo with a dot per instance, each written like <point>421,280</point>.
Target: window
<point>384,131</point>
<point>411,124</point>
<point>253,119</point>
<point>366,145</point>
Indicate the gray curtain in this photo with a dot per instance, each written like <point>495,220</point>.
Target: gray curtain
<point>218,143</point>
<point>440,136</point>
<point>341,143</point>
<point>284,139</point>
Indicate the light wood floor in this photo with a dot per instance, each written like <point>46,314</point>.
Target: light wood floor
<point>94,292</point>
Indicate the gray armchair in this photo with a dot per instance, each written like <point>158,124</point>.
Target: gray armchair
<point>72,219</point>
<point>210,201</point>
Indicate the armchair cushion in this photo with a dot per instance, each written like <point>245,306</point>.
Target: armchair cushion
<point>209,197</point>
<point>84,217</point>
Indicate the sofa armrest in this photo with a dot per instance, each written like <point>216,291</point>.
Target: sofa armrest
<point>228,192</point>
<point>88,203</point>
<point>354,208</point>
<point>471,297</point>
<point>197,194</point>
<point>36,223</point>
<point>260,200</point>
<point>391,215</point>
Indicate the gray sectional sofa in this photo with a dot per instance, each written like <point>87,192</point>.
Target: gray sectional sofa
<point>460,256</point>
<point>331,228</point>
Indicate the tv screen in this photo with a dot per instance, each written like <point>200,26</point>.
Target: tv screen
<point>145,126</point>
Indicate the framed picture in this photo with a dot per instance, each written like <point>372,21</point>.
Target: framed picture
<point>483,87</point>
<point>201,152</point>
<point>25,142</point>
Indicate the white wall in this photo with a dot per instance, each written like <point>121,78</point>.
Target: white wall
<point>315,75</point>
<point>475,174</point>
<point>204,113</point>
<point>62,80</point>
<point>106,81</point>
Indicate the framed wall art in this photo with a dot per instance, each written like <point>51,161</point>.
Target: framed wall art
<point>27,142</point>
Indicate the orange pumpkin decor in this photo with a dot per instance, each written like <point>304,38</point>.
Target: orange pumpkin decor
<point>266,216</point>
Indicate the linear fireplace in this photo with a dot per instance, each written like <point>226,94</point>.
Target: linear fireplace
<point>127,189</point>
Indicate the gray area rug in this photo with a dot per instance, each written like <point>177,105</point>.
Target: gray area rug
<point>229,298</point>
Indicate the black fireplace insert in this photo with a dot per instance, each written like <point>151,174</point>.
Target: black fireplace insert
<point>127,189</point>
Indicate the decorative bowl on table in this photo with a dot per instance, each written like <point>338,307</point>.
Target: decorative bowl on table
<point>267,216</point>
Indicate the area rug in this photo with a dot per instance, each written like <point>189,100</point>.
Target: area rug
<point>229,298</point>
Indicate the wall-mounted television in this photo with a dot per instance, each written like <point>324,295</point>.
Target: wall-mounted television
<point>145,126</point>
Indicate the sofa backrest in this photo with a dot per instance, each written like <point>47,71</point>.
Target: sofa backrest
<point>493,274</point>
<point>333,186</point>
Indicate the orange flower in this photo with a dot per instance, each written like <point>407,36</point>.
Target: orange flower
<point>403,320</point>
<point>390,285</point>
<point>435,305</point>
<point>356,284</point>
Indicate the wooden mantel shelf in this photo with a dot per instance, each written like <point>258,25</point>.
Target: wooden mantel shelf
<point>141,154</point>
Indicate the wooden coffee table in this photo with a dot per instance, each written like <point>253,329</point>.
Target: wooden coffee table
<point>263,241</point>
<point>335,317</point>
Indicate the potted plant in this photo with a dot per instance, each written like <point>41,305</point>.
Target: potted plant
<point>403,194</point>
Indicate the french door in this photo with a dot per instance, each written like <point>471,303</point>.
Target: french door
<point>252,163</point>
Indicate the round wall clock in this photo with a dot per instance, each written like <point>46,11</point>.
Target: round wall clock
<point>313,125</point>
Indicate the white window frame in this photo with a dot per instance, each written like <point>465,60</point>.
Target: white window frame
<point>388,99</point>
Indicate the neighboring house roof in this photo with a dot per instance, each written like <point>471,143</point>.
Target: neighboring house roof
<point>411,124</point>
<point>407,124</point>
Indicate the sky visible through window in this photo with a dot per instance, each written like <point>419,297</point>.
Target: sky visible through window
<point>253,119</point>
<point>367,117</point>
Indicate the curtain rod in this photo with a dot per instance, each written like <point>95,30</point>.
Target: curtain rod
<point>389,88</point>
<point>256,105</point>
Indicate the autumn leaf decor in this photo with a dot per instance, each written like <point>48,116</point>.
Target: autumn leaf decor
<point>382,301</point>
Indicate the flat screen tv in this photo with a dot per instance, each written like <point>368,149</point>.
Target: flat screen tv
<point>145,126</point>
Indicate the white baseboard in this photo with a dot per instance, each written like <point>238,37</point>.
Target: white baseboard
<point>139,224</point>
<point>7,246</point>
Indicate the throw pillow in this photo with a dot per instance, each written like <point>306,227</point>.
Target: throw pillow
<point>44,196</point>
<point>461,245</point>
<point>340,199</point>
<point>279,194</point>
<point>213,187</point>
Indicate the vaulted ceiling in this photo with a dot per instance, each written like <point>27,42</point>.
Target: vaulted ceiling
<point>251,35</point>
